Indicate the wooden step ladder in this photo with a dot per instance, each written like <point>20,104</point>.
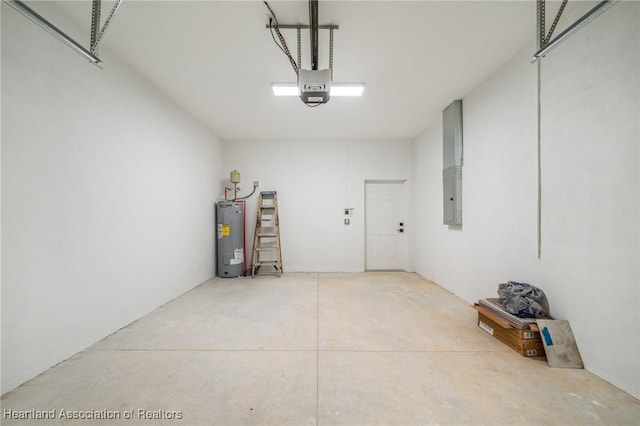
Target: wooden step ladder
<point>266,242</point>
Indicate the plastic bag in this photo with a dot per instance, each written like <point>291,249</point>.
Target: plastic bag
<point>523,300</point>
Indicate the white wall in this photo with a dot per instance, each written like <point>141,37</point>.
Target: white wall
<point>108,192</point>
<point>497,240</point>
<point>316,181</point>
<point>590,264</point>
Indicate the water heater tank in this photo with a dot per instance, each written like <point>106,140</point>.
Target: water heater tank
<point>230,239</point>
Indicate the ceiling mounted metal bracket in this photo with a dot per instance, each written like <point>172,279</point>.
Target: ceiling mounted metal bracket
<point>53,30</point>
<point>313,32</point>
<point>96,8</point>
<point>545,44</point>
<point>299,27</point>
<point>96,43</point>
<point>90,54</point>
<point>331,52</point>
<point>555,22</point>
<point>540,21</point>
<point>299,50</point>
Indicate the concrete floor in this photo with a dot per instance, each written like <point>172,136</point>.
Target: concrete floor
<point>316,349</point>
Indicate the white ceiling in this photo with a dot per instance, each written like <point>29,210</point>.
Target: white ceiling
<point>217,60</point>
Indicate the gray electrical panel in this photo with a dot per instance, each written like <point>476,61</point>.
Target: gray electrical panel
<point>452,193</point>
<point>452,163</point>
<point>230,239</point>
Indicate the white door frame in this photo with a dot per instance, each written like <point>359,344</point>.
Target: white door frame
<point>366,231</point>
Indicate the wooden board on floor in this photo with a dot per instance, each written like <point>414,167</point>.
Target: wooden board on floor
<point>559,344</point>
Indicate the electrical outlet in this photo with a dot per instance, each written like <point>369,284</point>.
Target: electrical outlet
<point>256,183</point>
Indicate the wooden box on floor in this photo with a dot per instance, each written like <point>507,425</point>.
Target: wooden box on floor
<point>526,342</point>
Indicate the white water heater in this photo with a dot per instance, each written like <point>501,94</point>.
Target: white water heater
<point>230,238</point>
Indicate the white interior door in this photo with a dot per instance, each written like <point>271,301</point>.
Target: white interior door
<point>384,226</point>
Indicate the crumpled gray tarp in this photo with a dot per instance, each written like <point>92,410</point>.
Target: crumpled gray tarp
<point>523,300</point>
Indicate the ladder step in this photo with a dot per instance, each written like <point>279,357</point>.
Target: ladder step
<point>267,248</point>
<point>268,231</point>
<point>267,245</point>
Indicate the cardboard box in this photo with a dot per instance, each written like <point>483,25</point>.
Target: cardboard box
<point>526,342</point>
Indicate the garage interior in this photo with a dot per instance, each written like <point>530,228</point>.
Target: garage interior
<point>111,174</point>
